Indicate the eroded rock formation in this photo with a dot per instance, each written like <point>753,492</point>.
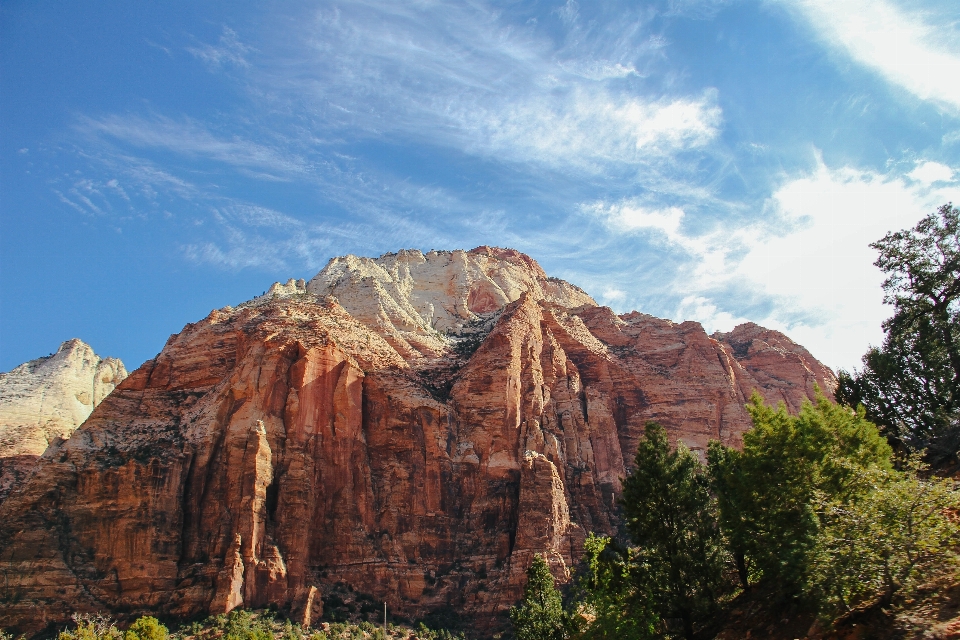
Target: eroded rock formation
<point>46,399</point>
<point>415,427</point>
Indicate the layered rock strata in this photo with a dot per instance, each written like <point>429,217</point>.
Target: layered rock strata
<point>46,399</point>
<point>415,427</point>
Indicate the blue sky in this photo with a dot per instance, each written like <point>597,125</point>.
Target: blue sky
<point>709,160</point>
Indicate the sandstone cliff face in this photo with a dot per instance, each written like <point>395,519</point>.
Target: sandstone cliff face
<point>46,399</point>
<point>782,369</point>
<point>332,434</point>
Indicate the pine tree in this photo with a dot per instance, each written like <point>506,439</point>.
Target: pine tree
<point>672,521</point>
<point>733,489</point>
<point>540,615</point>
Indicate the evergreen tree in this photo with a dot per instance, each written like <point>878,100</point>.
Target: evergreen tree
<point>609,595</point>
<point>910,385</point>
<point>768,493</point>
<point>735,497</point>
<point>672,521</point>
<point>540,615</point>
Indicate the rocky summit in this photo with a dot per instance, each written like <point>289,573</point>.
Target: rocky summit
<point>413,427</point>
<point>45,400</point>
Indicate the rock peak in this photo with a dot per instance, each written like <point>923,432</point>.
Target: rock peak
<point>48,398</point>
<point>414,298</point>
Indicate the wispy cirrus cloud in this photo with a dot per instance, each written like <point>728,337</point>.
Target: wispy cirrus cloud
<point>189,138</point>
<point>917,50</point>
<point>461,76</point>
<point>228,50</point>
<point>546,109</point>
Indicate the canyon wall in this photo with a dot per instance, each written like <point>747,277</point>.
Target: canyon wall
<point>414,428</point>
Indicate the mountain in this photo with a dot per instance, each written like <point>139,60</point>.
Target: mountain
<point>46,399</point>
<point>413,428</point>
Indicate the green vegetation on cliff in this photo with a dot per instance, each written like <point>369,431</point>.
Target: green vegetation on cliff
<point>811,512</point>
<point>241,624</point>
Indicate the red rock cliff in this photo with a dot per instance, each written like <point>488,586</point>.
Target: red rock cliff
<point>272,451</point>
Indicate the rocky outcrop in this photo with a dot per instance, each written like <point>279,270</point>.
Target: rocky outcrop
<point>46,399</point>
<point>386,427</point>
<point>781,369</point>
<point>413,298</point>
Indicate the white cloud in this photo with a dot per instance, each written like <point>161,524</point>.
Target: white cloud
<point>589,130</point>
<point>930,172</point>
<point>631,215</point>
<point>809,258</point>
<point>907,48</point>
<point>612,294</point>
<point>462,77</point>
<point>228,49</point>
<point>599,69</point>
<point>569,12</point>
<point>190,138</point>
<point>251,215</point>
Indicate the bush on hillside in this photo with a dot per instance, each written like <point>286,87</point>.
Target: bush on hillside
<point>882,544</point>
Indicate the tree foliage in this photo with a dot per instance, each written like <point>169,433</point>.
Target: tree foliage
<point>540,615</point>
<point>102,627</point>
<point>146,628</point>
<point>815,507</point>
<point>612,605</point>
<point>881,543</point>
<point>910,385</point>
<point>92,627</point>
<point>767,492</point>
<point>672,522</point>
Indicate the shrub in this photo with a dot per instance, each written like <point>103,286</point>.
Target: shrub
<point>146,628</point>
<point>611,607</point>
<point>879,545</point>
<point>243,625</point>
<point>92,627</point>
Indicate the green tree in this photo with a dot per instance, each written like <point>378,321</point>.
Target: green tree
<point>540,615</point>
<point>881,543</point>
<point>244,625</point>
<point>735,504</point>
<point>146,628</point>
<point>910,385</point>
<point>610,602</point>
<point>672,521</point>
<point>767,494</point>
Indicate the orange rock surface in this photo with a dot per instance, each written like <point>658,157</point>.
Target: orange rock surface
<point>272,451</point>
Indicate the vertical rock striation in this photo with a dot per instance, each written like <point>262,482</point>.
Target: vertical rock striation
<point>416,427</point>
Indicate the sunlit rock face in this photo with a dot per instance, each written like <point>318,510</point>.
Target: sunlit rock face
<point>46,399</point>
<point>411,298</point>
<point>415,426</point>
